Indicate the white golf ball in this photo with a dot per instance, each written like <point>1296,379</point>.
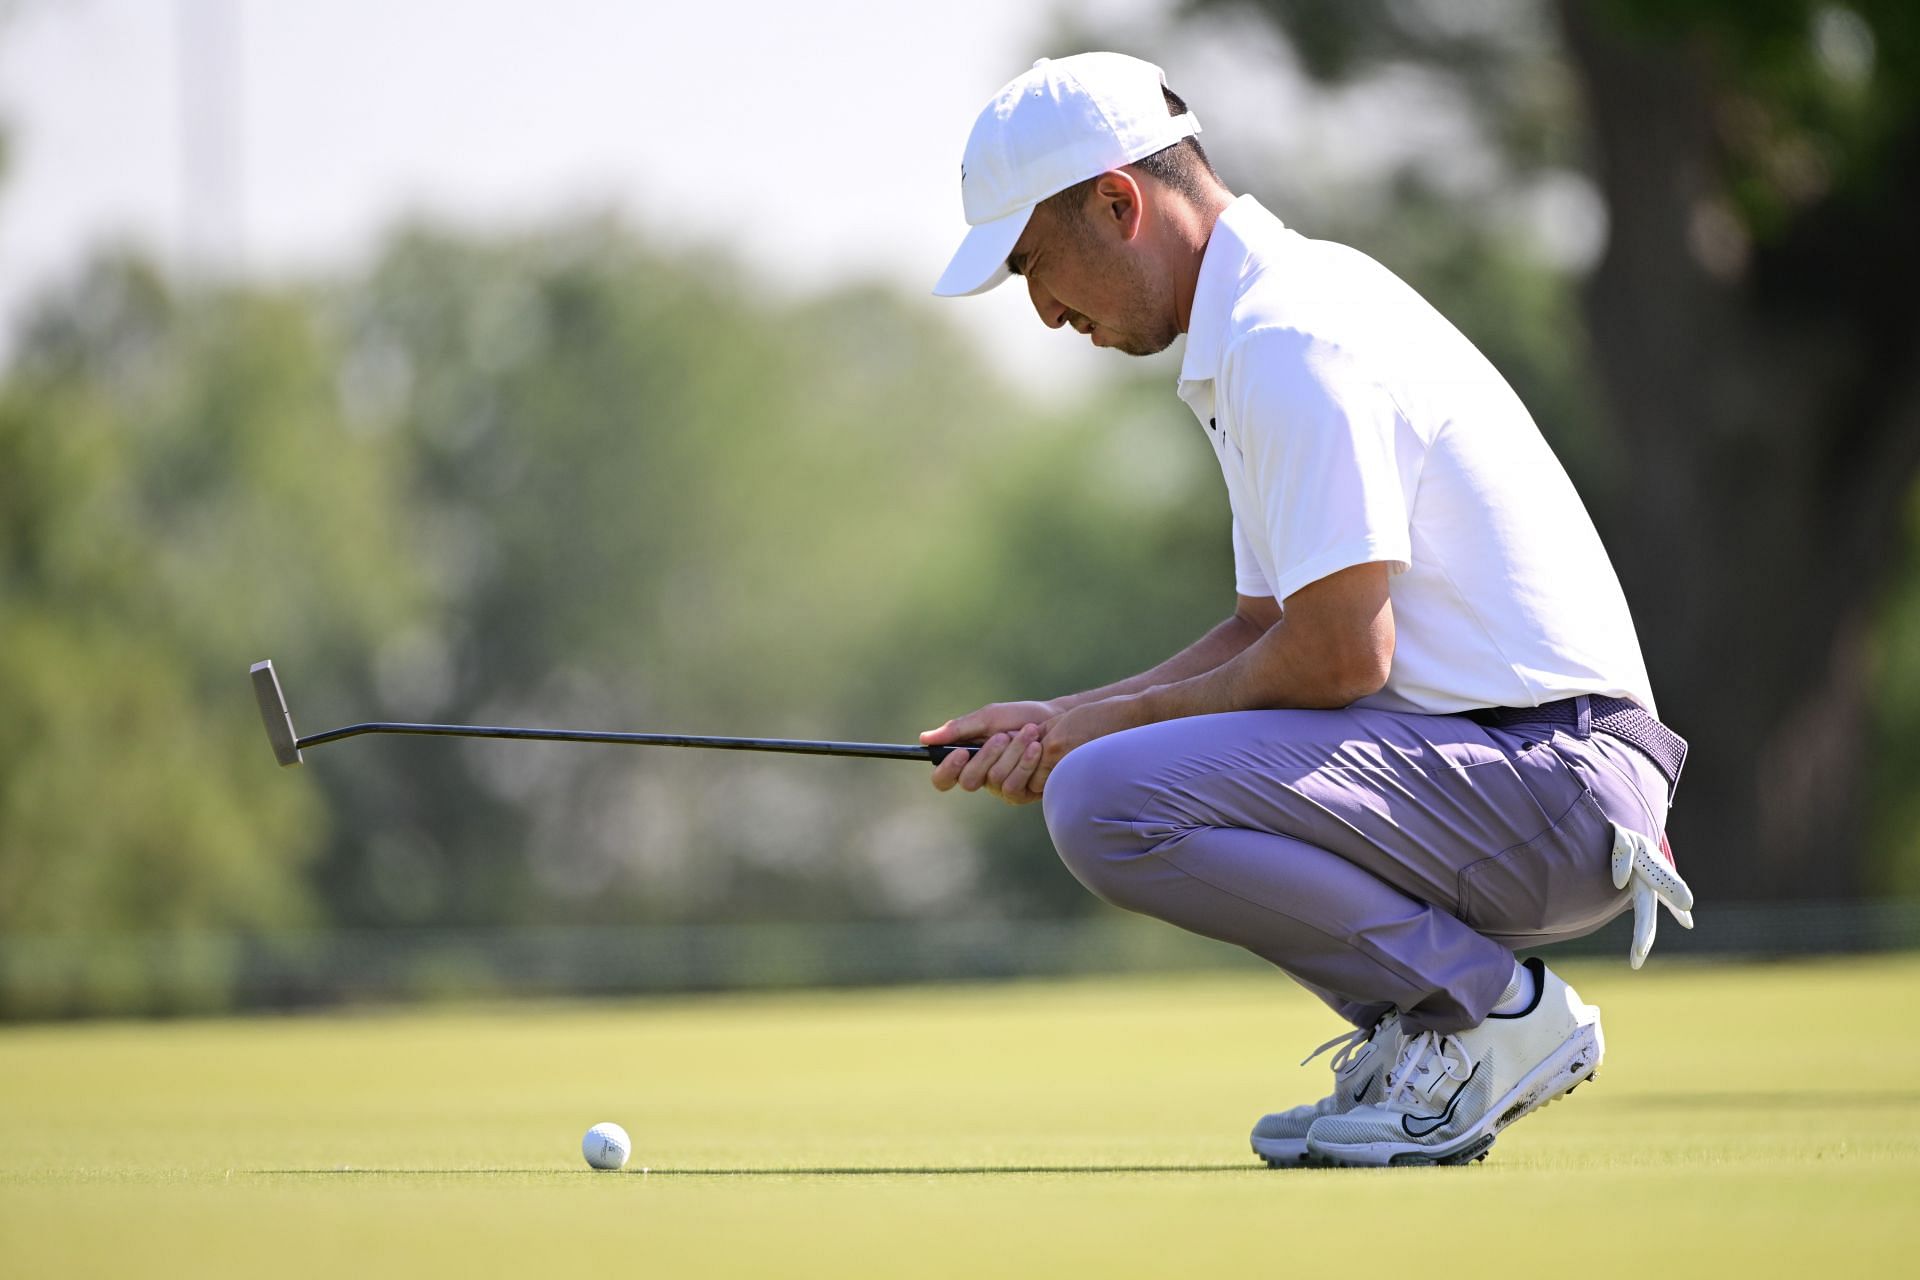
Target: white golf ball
<point>606,1146</point>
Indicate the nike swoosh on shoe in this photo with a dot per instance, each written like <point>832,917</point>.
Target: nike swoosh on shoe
<point>1407,1122</point>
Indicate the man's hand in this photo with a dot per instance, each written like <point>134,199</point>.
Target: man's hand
<point>1009,750</point>
<point>1079,726</point>
<point>1013,763</point>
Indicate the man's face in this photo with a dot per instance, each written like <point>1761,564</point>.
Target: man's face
<point>1082,271</point>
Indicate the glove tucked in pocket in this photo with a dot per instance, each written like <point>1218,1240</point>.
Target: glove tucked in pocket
<point>1637,864</point>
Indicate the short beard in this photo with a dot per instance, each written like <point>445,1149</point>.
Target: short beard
<point>1144,329</point>
<point>1152,344</point>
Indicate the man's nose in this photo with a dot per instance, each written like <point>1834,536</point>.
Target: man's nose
<point>1052,314</point>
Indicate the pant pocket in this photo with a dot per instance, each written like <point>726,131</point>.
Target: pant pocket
<point>1556,883</point>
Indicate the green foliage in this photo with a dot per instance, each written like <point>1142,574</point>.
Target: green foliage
<point>577,478</point>
<point>164,513</point>
<point>567,479</point>
<point>1894,754</point>
<point>685,509</point>
<point>1815,96</point>
<point>1497,56</point>
<point>1812,97</point>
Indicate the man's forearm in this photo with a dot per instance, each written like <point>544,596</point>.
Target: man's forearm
<point>1261,677</point>
<point>1221,645</point>
<point>1333,646</point>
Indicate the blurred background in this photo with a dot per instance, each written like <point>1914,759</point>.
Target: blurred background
<point>572,364</point>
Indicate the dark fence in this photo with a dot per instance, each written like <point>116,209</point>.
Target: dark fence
<point>57,977</point>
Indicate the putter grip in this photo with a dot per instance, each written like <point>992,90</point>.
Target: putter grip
<point>937,754</point>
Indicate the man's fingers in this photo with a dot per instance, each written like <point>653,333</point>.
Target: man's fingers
<point>1051,753</point>
<point>1017,788</point>
<point>974,776</point>
<point>971,727</point>
<point>954,730</point>
<point>1001,762</point>
<point>947,772</point>
<point>1001,769</point>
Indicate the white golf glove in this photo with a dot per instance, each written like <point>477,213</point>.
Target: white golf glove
<point>1637,862</point>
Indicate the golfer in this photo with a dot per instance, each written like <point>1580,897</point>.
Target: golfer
<point>1425,736</point>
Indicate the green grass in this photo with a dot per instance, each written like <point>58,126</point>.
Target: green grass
<point>1750,1120</point>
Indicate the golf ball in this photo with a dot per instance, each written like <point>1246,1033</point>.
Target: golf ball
<point>606,1146</point>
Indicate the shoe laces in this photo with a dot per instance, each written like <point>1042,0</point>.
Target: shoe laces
<point>1425,1060</point>
<point>1350,1047</point>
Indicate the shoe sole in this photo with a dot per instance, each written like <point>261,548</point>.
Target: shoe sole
<point>1289,1153</point>
<point>1575,1062</point>
<point>1300,1158</point>
<point>1281,1153</point>
<point>1466,1155</point>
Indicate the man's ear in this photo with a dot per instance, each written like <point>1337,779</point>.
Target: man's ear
<point>1117,204</point>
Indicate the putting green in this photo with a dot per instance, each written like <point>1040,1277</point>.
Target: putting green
<point>1752,1120</point>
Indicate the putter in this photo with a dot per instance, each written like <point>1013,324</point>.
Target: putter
<point>288,744</point>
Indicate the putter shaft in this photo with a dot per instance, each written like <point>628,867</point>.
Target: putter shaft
<point>287,743</point>
<point>789,746</point>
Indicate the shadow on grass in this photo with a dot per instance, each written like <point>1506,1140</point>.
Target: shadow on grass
<point>1776,1100</point>
<point>848,1171</point>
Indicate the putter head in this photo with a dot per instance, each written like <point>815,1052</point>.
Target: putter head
<point>274,713</point>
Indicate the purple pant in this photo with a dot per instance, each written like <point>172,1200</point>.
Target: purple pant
<point>1380,859</point>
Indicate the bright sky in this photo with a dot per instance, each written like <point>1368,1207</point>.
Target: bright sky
<point>818,141</point>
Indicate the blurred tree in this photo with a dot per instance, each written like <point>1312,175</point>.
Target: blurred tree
<point>563,479</point>
<point>1894,754</point>
<point>164,514</point>
<point>1754,325</point>
<point>653,499</point>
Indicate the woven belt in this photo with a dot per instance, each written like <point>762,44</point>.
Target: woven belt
<point>1615,717</point>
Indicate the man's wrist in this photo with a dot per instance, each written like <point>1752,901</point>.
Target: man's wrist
<point>1194,696</point>
<point>1141,707</point>
<point>1149,706</point>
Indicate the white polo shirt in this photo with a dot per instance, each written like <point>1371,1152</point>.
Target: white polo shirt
<point>1354,424</point>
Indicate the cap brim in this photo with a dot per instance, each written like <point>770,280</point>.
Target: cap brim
<point>980,263</point>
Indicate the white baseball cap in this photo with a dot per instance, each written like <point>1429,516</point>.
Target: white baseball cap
<point>1064,121</point>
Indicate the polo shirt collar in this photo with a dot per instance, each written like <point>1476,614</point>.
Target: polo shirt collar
<point>1222,267</point>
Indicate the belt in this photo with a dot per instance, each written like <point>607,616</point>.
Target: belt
<point>1615,717</point>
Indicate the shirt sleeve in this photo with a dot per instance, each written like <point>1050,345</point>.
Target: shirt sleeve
<point>1249,579</point>
<point>1318,439</point>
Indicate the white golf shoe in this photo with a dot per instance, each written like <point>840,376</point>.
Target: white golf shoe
<point>1361,1060</point>
<point>1448,1096</point>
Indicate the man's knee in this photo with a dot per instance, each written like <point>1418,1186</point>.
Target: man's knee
<point>1091,801</point>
